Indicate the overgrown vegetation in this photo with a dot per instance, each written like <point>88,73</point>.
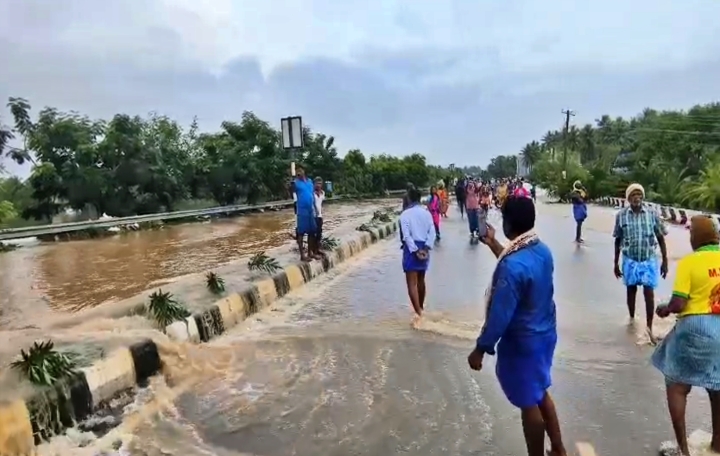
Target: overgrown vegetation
<point>329,243</point>
<point>214,283</point>
<point>261,262</point>
<point>675,155</point>
<point>42,365</point>
<point>380,217</point>
<point>165,310</point>
<point>131,165</point>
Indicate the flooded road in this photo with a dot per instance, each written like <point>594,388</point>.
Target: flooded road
<point>70,276</point>
<point>336,370</point>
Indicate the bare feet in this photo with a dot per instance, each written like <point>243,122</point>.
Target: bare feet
<point>651,336</point>
<point>415,324</point>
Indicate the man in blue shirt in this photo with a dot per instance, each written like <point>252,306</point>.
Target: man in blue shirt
<point>306,225</point>
<point>520,325</point>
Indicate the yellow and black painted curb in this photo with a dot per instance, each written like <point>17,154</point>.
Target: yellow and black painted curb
<point>25,423</point>
<point>231,310</point>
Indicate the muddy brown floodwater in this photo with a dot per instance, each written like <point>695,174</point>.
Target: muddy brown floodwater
<point>71,276</point>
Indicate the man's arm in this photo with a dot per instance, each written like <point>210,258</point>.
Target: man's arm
<point>504,302</point>
<point>660,232</point>
<point>407,235</point>
<point>618,235</point>
<point>431,235</point>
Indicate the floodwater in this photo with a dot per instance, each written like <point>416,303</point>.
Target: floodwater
<point>72,276</point>
<point>334,369</point>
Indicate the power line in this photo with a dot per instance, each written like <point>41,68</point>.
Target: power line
<point>568,113</point>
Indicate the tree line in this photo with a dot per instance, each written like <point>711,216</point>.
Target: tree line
<point>132,165</point>
<point>675,155</point>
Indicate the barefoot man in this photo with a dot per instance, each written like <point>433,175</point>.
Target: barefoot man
<point>638,231</point>
<point>520,321</point>
<point>418,236</point>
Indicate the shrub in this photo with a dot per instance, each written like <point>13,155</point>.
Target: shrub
<point>165,310</point>
<point>214,283</point>
<point>261,262</point>
<point>43,365</point>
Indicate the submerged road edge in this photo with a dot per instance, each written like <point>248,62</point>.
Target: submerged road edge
<point>235,308</point>
<point>27,423</point>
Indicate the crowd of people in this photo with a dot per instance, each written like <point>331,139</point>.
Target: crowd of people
<point>520,326</point>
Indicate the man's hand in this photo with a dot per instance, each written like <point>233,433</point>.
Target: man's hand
<point>489,237</point>
<point>663,311</point>
<point>617,271</point>
<point>475,359</point>
<point>421,254</point>
<point>664,268</point>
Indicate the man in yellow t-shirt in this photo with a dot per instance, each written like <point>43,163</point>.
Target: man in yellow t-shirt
<point>502,191</point>
<point>697,282</point>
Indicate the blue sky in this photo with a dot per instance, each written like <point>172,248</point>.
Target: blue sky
<point>458,80</point>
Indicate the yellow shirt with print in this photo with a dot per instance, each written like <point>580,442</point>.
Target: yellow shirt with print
<point>698,280</point>
<point>502,192</point>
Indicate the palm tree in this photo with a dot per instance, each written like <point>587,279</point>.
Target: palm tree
<point>704,191</point>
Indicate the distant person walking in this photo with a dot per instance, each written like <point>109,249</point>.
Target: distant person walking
<point>460,192</point>
<point>434,206</point>
<point>638,231</point>
<point>520,320</point>
<point>418,236</point>
<point>472,203</point>
<point>579,207</point>
<point>690,354</point>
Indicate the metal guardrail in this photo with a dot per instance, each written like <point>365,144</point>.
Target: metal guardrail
<point>32,231</point>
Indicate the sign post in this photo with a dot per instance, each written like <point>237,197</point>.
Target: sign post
<point>292,137</point>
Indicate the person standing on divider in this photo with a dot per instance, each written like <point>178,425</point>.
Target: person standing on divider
<point>638,231</point>
<point>304,189</point>
<point>578,196</point>
<point>434,207</point>
<point>690,354</point>
<point>520,320</point>
<point>418,236</point>
<point>319,199</point>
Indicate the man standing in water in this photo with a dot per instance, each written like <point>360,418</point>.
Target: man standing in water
<point>638,230</point>
<point>418,236</point>
<point>520,320</point>
<point>319,199</point>
<point>304,189</point>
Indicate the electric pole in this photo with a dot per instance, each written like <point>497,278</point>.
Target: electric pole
<point>568,113</point>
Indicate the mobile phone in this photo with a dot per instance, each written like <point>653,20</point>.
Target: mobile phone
<point>482,223</point>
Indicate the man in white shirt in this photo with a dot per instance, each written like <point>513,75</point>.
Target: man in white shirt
<point>319,197</point>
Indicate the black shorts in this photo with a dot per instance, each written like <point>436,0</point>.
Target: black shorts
<point>318,228</point>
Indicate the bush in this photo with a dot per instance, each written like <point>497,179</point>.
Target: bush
<point>165,310</point>
<point>214,283</point>
<point>261,262</point>
<point>43,365</point>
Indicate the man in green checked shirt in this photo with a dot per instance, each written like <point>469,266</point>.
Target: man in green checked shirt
<point>638,230</point>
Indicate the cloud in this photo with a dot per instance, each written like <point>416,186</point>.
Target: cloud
<point>458,80</point>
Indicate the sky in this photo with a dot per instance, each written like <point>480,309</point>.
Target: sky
<point>460,81</point>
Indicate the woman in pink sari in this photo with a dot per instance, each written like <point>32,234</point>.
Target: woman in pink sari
<point>435,206</point>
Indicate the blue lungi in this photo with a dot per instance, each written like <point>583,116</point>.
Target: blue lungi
<point>641,273</point>
<point>306,223</point>
<point>411,263</point>
<point>523,368</point>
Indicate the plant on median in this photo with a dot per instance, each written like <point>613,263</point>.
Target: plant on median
<point>382,217</point>
<point>164,309</point>
<point>214,283</point>
<point>329,243</point>
<point>364,227</point>
<point>42,365</point>
<point>261,262</point>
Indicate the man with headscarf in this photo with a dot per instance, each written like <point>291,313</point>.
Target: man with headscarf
<point>638,231</point>
<point>690,354</point>
<point>579,207</point>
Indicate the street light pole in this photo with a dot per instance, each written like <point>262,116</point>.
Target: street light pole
<point>292,138</point>
<point>567,113</point>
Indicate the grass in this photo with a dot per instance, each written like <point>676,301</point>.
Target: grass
<point>329,243</point>
<point>261,262</point>
<point>165,310</point>
<point>214,283</point>
<point>42,365</point>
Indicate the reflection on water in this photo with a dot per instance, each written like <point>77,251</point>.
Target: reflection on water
<point>82,274</point>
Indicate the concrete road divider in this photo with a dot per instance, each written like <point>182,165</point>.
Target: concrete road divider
<point>233,309</point>
<point>25,423</point>
<point>675,215</point>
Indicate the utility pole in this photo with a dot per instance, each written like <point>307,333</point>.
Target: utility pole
<point>568,113</point>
